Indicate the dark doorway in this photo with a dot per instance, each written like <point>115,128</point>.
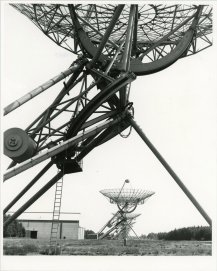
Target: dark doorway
<point>33,234</point>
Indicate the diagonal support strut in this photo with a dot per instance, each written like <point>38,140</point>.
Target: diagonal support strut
<point>170,171</point>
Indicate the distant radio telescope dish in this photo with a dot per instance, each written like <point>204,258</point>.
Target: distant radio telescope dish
<point>122,221</point>
<point>127,199</point>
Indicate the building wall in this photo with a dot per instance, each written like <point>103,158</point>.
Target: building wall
<point>67,229</point>
<point>43,228</point>
<point>70,230</point>
<point>80,233</point>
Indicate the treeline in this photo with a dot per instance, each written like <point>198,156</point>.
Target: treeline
<point>14,229</point>
<point>199,233</point>
<point>89,234</point>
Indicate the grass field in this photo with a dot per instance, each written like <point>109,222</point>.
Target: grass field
<point>23,246</point>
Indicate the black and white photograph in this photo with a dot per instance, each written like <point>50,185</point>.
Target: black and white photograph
<point>109,135</point>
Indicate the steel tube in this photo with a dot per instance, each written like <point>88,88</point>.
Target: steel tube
<point>29,185</point>
<point>47,113</point>
<point>125,62</point>
<point>110,220</point>
<point>49,119</point>
<point>114,58</point>
<point>57,149</point>
<point>107,34</point>
<point>170,171</point>
<point>34,198</point>
<point>97,31</point>
<point>30,95</point>
<point>134,46</point>
<point>110,230</point>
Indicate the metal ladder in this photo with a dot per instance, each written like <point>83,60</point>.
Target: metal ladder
<point>56,216</point>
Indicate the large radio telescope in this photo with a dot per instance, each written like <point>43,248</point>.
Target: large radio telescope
<point>114,44</point>
<point>126,199</point>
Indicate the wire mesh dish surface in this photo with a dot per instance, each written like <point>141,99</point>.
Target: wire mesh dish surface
<point>118,196</point>
<point>153,23</point>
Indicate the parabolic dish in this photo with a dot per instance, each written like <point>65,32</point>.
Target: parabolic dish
<point>153,23</point>
<point>130,196</point>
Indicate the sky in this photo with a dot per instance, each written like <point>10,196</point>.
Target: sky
<point>176,108</point>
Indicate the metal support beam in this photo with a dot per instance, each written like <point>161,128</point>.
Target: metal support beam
<point>30,95</point>
<point>61,147</point>
<point>134,46</point>
<point>34,198</point>
<point>97,31</point>
<point>130,225</point>
<point>170,171</point>
<point>95,142</point>
<point>107,34</point>
<point>110,230</point>
<point>125,61</point>
<point>29,185</point>
<point>45,116</point>
<point>114,58</point>
<point>109,222</point>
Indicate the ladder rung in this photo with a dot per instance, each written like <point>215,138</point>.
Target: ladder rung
<point>56,213</point>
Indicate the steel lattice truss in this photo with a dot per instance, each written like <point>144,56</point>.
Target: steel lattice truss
<point>125,227</point>
<point>119,226</point>
<point>114,44</point>
<point>156,23</point>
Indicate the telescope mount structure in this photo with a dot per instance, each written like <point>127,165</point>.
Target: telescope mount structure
<point>114,44</point>
<point>127,200</point>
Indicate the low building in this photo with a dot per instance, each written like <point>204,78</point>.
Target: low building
<point>39,229</point>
